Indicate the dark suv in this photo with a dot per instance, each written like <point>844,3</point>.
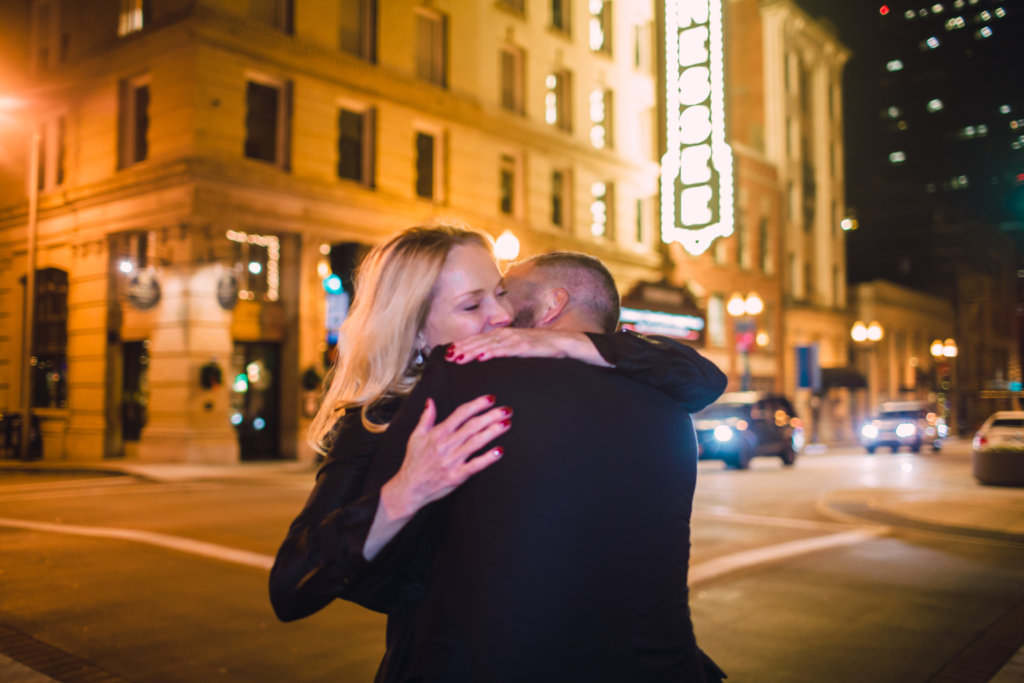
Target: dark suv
<point>743,424</point>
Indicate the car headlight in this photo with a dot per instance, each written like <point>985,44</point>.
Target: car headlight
<point>869,431</point>
<point>905,429</point>
<point>723,433</point>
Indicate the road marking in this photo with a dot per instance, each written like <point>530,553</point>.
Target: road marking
<point>711,569</point>
<point>105,491</point>
<point>185,545</point>
<point>790,522</point>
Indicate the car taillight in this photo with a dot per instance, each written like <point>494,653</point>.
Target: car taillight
<point>980,441</point>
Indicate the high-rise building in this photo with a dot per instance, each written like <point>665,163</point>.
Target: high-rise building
<point>937,175</point>
<point>204,166</point>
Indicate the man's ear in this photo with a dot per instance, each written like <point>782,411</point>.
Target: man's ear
<point>555,301</point>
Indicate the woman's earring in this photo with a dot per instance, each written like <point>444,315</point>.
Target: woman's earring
<point>420,360</point>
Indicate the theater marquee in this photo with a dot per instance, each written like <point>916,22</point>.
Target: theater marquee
<point>696,171</point>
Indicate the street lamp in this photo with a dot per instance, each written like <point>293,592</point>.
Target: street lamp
<point>866,336</point>
<point>944,352</point>
<point>744,309</point>
<point>506,247</point>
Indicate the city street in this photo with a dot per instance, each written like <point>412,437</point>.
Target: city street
<point>844,568</point>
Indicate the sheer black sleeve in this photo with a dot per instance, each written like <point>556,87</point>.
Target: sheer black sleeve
<point>670,366</point>
<point>321,558</point>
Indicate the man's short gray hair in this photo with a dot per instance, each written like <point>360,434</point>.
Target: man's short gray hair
<point>591,287</point>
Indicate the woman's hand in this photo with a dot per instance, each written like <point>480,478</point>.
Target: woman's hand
<point>525,343</point>
<point>438,457</point>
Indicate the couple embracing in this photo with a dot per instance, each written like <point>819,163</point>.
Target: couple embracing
<point>515,498</point>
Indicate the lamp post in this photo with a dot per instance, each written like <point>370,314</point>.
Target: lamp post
<point>867,336</point>
<point>506,247</point>
<point>944,352</point>
<point>745,309</point>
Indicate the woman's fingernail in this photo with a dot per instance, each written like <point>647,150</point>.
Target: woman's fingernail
<point>506,423</point>
<point>482,355</point>
<point>498,452</point>
<point>490,398</point>
<point>506,411</point>
<point>459,357</point>
<point>451,351</point>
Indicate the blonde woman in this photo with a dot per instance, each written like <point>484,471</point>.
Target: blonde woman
<point>426,287</point>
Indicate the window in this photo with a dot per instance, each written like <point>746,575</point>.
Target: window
<point>560,13</point>
<point>601,210</point>
<point>49,43</point>
<point>557,100</point>
<point>601,118</point>
<point>134,16</point>
<point>428,165</point>
<point>742,246</point>
<point>600,26</point>
<point>51,153</point>
<point>357,34</point>
<point>515,6</point>
<point>268,108</point>
<point>355,146</point>
<point>49,362</point>
<point>276,13</point>
<point>508,180</point>
<point>512,79</point>
<point>257,265</point>
<point>644,211</point>
<point>431,47</point>
<point>560,194</point>
<point>643,50</point>
<point>716,320</point>
<point>134,116</point>
<point>766,255</point>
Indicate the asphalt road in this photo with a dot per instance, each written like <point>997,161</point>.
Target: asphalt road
<point>794,577</point>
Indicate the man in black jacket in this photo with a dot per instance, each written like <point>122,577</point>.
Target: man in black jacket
<point>566,560</point>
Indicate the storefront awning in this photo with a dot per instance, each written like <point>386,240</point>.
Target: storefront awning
<point>842,377</point>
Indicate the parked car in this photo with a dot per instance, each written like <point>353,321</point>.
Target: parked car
<point>904,423</point>
<point>998,456</point>
<point>1002,429</point>
<point>744,424</point>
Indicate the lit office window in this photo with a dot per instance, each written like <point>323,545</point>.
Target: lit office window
<point>935,105</point>
<point>932,42</point>
<point>1004,109</point>
<point>1000,12</point>
<point>134,15</point>
<point>938,9</point>
<point>894,112</point>
<point>600,209</point>
<point>600,26</point>
<point>557,103</point>
<point>894,65</point>
<point>983,32</point>
<point>257,262</point>
<point>600,118</point>
<point>909,14</point>
<point>954,23</point>
<point>897,157</point>
<point>985,15</point>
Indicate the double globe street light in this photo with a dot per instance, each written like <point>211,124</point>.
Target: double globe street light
<point>745,309</point>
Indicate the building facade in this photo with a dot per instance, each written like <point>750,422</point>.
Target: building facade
<point>204,165</point>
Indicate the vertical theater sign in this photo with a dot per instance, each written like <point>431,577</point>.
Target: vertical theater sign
<point>696,171</point>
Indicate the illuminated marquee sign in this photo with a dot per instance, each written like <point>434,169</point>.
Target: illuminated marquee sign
<point>696,171</point>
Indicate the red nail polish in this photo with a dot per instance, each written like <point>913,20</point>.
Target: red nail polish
<point>450,352</point>
<point>506,411</point>
<point>459,357</point>
<point>490,398</point>
<point>499,451</point>
<point>506,423</point>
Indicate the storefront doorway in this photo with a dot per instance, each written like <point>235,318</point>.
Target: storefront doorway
<point>256,399</point>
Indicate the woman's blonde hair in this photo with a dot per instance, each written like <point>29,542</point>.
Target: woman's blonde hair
<point>394,288</point>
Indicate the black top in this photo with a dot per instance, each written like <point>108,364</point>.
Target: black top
<point>321,556</point>
<point>567,559</point>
